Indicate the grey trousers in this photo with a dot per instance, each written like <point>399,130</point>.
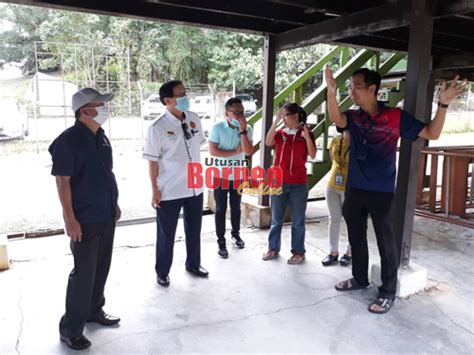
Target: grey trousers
<point>335,200</point>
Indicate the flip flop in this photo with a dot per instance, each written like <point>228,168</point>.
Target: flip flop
<point>384,303</point>
<point>350,285</point>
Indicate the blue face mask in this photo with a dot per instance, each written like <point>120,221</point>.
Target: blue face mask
<point>182,103</point>
<point>235,123</point>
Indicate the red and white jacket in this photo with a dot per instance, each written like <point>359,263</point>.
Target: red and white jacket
<point>291,156</point>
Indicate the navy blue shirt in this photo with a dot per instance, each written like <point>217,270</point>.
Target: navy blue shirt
<point>87,159</point>
<point>373,147</point>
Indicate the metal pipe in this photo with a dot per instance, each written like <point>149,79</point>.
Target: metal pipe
<point>36,99</point>
<point>64,91</point>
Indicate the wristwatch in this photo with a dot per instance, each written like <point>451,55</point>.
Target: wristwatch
<point>244,132</point>
<point>440,104</point>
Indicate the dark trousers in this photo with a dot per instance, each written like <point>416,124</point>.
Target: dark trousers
<point>167,220</point>
<point>358,204</point>
<point>85,289</point>
<point>220,197</point>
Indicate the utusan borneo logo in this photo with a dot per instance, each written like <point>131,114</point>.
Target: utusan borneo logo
<point>217,172</point>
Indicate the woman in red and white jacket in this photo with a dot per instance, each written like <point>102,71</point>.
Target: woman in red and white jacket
<point>293,144</point>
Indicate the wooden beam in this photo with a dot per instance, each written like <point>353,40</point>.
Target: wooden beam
<point>375,43</point>
<point>417,95</point>
<point>443,41</point>
<point>145,10</point>
<point>454,26</point>
<point>381,42</point>
<point>246,8</point>
<point>295,3</point>
<point>366,21</point>
<point>454,7</point>
<point>448,74</point>
<point>269,70</point>
<point>456,61</point>
<point>329,6</point>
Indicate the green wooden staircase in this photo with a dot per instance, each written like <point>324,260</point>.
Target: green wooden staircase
<point>317,99</point>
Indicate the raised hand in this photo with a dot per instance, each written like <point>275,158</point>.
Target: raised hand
<point>279,115</point>
<point>305,132</point>
<point>330,81</point>
<point>242,123</point>
<point>449,94</point>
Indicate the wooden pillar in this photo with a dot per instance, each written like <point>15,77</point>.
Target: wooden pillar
<point>458,170</point>
<point>433,183</point>
<point>269,67</point>
<point>417,96</point>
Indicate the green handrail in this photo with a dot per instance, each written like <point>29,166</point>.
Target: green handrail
<point>319,96</point>
<point>314,100</point>
<point>286,92</point>
<point>383,69</point>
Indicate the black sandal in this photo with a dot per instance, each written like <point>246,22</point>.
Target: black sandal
<point>350,285</point>
<point>384,303</point>
<point>345,260</point>
<point>330,260</point>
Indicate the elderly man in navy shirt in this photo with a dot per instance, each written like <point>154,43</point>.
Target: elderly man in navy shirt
<point>82,165</point>
<point>375,130</point>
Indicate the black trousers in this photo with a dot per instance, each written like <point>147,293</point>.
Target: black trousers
<point>358,204</point>
<point>220,196</point>
<point>167,220</point>
<point>85,289</point>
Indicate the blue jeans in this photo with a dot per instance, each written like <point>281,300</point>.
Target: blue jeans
<point>295,196</point>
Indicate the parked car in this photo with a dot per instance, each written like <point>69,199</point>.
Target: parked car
<point>13,121</point>
<point>203,106</point>
<point>152,107</point>
<point>249,103</point>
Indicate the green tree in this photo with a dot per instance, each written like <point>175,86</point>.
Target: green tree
<point>147,43</point>
<point>16,44</point>
<point>78,42</point>
<point>293,63</point>
<point>187,54</point>
<point>94,48</point>
<point>235,58</point>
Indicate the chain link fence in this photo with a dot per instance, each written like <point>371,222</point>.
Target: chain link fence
<point>37,108</point>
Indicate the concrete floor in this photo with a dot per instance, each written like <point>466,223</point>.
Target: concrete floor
<point>246,305</point>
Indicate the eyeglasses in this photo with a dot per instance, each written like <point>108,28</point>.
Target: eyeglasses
<point>186,132</point>
<point>237,113</point>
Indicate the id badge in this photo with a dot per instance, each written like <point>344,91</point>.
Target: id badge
<point>339,179</point>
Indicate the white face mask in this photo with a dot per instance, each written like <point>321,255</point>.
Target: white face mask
<point>102,115</point>
<point>290,131</point>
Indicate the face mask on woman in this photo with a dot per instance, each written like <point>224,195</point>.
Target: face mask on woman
<point>290,131</point>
